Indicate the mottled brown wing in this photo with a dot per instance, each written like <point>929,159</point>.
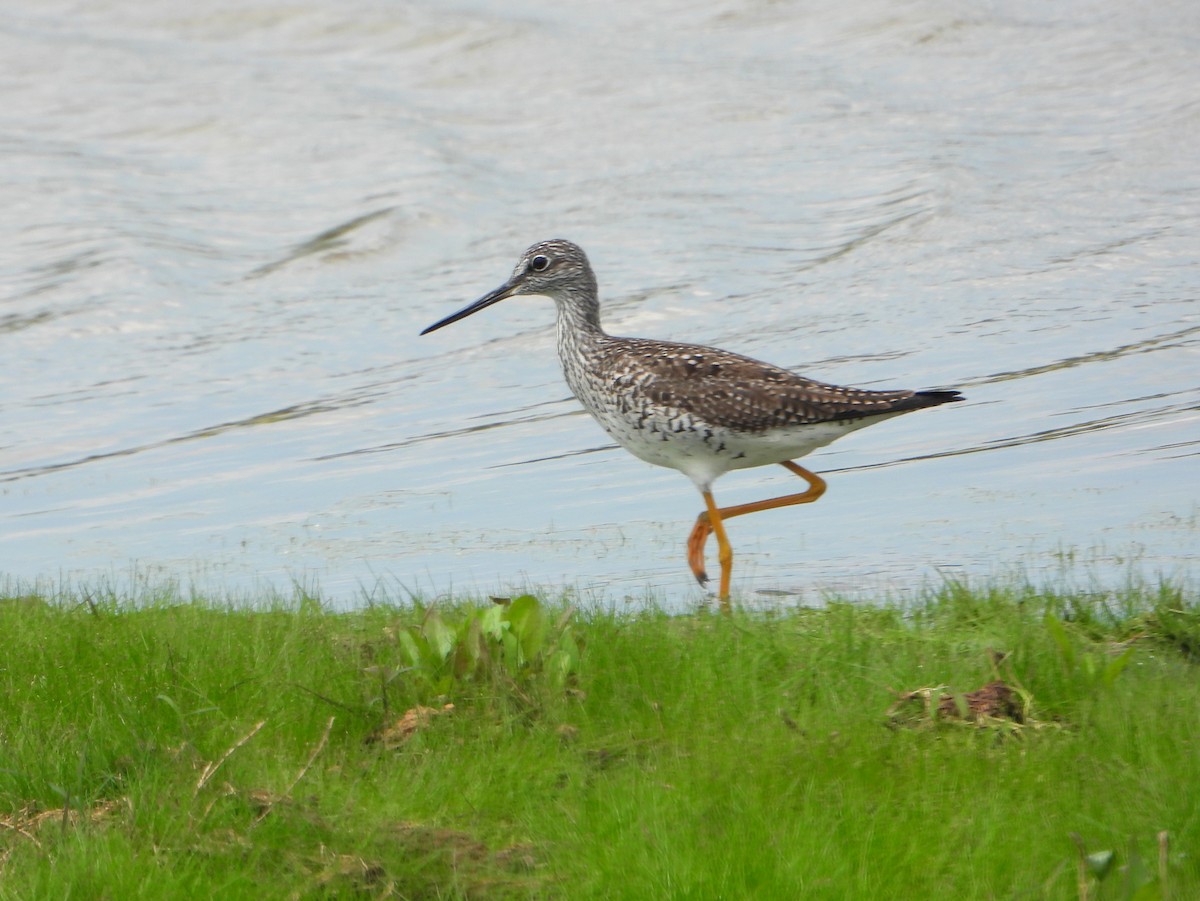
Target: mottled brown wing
<point>728,390</point>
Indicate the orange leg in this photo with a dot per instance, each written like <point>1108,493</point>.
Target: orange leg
<point>710,522</point>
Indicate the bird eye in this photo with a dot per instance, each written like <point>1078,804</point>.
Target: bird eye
<point>539,263</point>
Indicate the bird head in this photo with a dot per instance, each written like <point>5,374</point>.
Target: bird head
<point>554,268</point>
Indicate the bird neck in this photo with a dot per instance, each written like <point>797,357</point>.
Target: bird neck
<point>580,339</point>
<point>578,317</point>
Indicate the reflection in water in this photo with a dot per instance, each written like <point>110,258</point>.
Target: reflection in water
<point>1185,337</point>
<point>332,245</point>
<point>510,420</point>
<point>222,233</point>
<point>1171,413</point>
<point>295,412</point>
<point>14,322</point>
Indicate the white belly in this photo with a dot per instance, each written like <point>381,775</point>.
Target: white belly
<point>703,452</point>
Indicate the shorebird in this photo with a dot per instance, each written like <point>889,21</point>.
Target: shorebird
<point>697,409</point>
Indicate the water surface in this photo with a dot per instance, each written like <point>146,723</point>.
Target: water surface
<point>224,227</point>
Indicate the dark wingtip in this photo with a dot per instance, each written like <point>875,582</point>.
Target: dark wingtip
<point>920,400</point>
<point>940,397</point>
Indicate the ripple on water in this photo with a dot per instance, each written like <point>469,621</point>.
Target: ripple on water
<point>223,231</point>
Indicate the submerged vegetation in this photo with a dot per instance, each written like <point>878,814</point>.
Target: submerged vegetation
<point>981,743</point>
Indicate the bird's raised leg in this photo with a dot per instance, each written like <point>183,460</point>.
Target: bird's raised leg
<point>710,522</point>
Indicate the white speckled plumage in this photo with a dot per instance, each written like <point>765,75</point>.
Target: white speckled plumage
<point>697,409</point>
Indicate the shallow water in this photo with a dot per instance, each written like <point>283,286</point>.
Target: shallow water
<point>223,229</point>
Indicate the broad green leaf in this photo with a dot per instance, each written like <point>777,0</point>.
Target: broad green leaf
<point>512,652</point>
<point>466,654</point>
<point>439,635</point>
<point>533,633</point>
<point>408,646</point>
<point>519,611</point>
<point>492,622</point>
<point>558,666</point>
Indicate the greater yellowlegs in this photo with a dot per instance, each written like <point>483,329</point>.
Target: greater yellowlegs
<point>693,408</point>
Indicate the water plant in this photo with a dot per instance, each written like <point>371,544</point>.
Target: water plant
<point>444,651</point>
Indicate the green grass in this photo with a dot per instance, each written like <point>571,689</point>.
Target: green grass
<point>697,756</point>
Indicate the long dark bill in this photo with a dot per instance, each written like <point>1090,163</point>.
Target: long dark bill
<point>506,290</point>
